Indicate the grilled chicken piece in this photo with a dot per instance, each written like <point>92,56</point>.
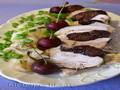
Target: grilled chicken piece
<point>88,15</point>
<point>90,22</point>
<point>99,18</point>
<point>74,60</point>
<point>86,36</point>
<point>98,42</point>
<point>102,18</point>
<point>85,50</point>
<point>84,28</point>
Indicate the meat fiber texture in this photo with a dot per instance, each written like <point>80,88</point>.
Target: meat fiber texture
<point>73,60</point>
<point>98,42</point>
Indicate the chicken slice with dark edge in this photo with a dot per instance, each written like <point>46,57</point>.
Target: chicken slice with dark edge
<point>85,50</point>
<point>88,15</point>
<point>86,36</point>
<point>79,57</point>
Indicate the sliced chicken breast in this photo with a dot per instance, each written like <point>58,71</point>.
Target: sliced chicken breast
<point>102,17</point>
<point>88,15</point>
<point>83,28</point>
<point>98,42</point>
<point>74,60</point>
<point>86,36</point>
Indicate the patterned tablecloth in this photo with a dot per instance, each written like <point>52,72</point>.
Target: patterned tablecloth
<point>11,8</point>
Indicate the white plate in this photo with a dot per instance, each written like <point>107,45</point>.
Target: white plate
<point>55,80</point>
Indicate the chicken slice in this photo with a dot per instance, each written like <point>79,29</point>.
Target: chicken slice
<point>84,28</point>
<point>98,42</point>
<point>73,60</point>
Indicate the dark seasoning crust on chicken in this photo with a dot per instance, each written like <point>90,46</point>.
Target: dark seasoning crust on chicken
<point>86,16</point>
<point>86,36</point>
<point>85,50</point>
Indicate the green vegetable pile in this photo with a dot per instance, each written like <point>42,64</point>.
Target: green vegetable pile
<point>23,27</point>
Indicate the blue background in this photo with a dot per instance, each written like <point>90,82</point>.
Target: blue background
<point>11,8</point>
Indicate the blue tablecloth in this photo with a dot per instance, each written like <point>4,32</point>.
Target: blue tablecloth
<point>11,8</point>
